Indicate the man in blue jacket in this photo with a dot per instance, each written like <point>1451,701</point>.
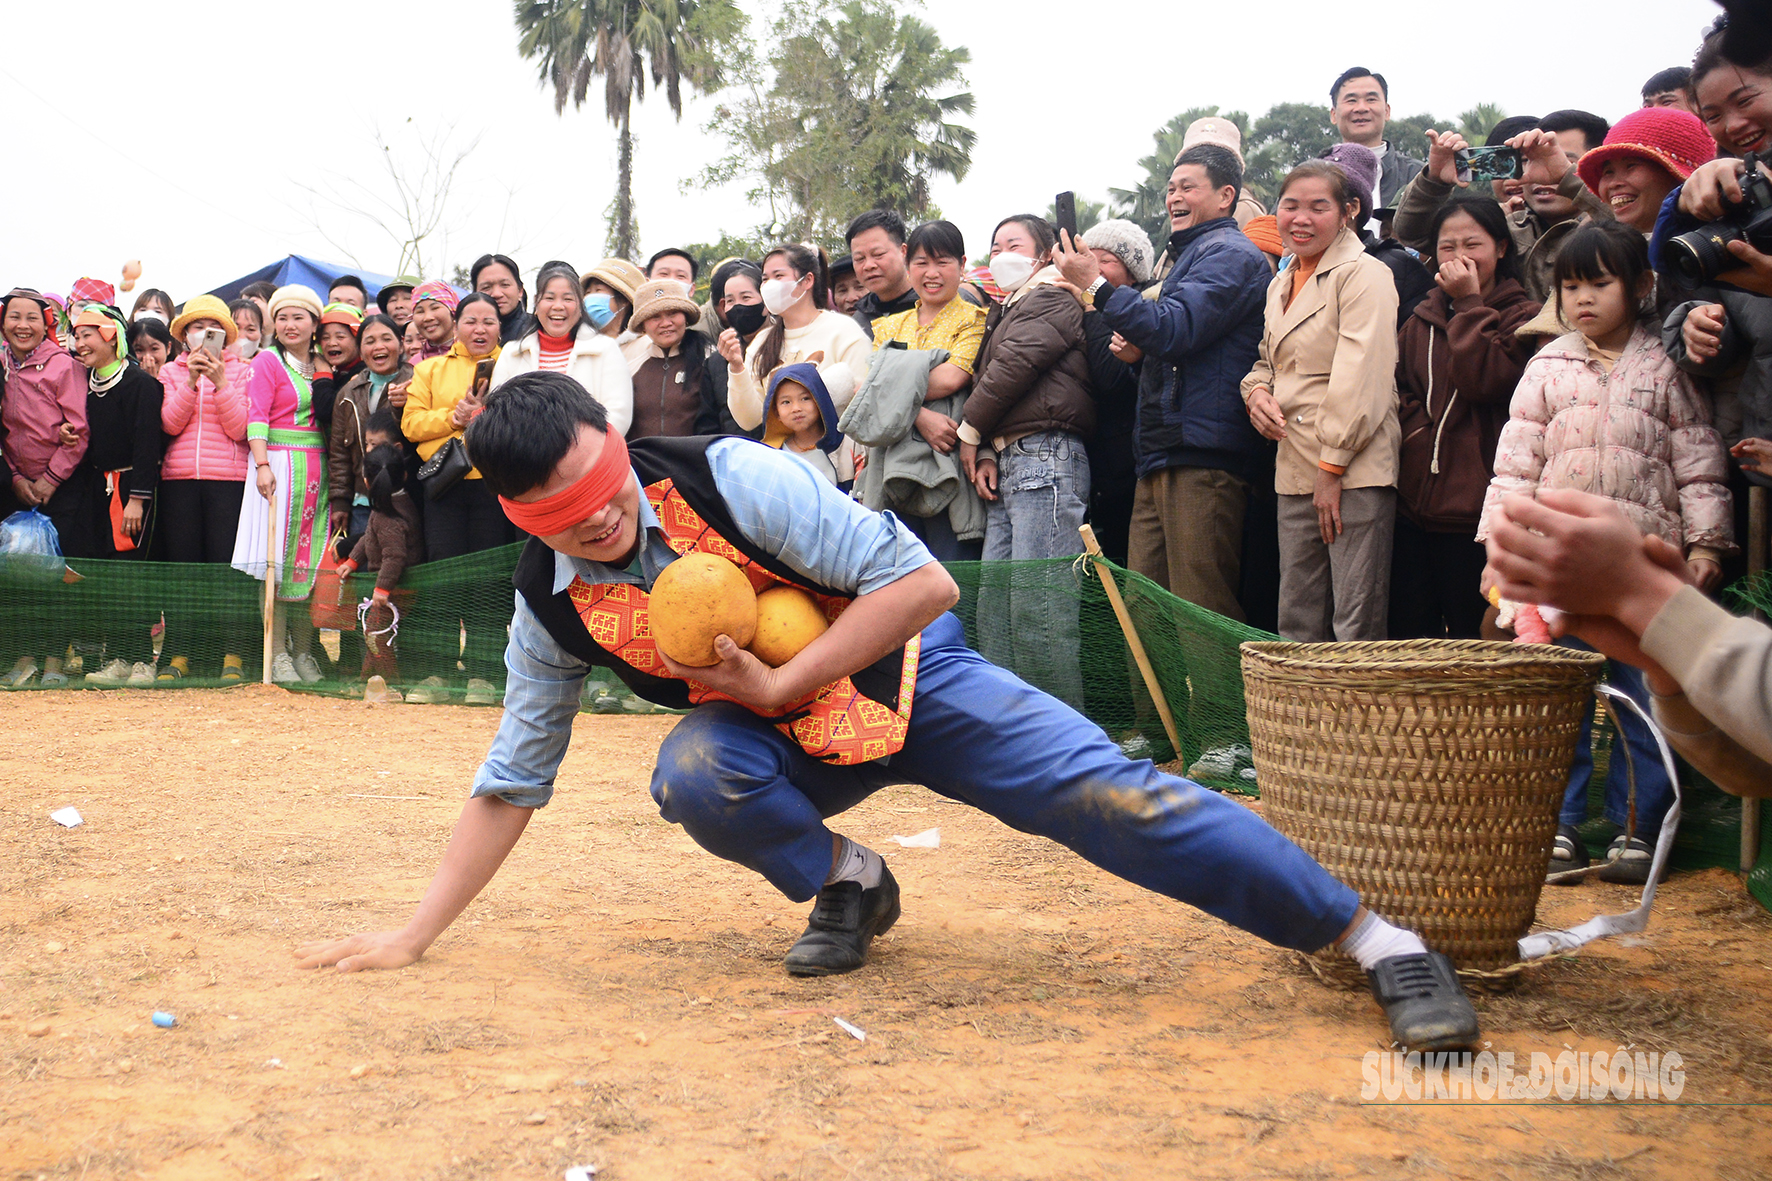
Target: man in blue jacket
<point>1197,453</point>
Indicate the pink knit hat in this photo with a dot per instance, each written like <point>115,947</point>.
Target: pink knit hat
<point>438,290</point>
<point>1675,139</point>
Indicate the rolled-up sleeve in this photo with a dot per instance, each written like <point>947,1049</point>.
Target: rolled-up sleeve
<point>541,701</point>
<point>793,514</point>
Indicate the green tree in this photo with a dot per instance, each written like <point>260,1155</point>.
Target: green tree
<point>1409,136</point>
<point>621,41</point>
<point>1288,135</point>
<point>853,109</point>
<point>1476,123</point>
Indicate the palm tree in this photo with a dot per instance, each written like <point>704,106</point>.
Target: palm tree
<point>1476,123</point>
<point>621,41</point>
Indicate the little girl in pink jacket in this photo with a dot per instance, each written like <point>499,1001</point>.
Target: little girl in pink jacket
<point>1605,410</point>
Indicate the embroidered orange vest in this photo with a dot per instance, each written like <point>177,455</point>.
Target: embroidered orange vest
<point>835,724</point>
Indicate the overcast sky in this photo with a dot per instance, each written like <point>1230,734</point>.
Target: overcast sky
<point>222,112</point>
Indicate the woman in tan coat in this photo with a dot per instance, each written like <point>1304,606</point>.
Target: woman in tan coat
<point>1324,387</point>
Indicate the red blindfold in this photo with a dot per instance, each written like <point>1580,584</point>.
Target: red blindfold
<point>578,502</point>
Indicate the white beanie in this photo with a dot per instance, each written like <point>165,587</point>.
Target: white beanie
<point>1126,242</point>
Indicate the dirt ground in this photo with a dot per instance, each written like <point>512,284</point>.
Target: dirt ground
<point>615,998</point>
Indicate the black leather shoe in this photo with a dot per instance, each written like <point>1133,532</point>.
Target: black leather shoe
<point>1426,1005</point>
<point>845,919</point>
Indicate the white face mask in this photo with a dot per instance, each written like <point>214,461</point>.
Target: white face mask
<point>1011,271</point>
<point>778,295</point>
<point>246,347</point>
<point>194,338</point>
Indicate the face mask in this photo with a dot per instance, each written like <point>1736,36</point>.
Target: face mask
<point>778,295</point>
<point>745,318</point>
<point>246,347</point>
<point>1011,271</point>
<point>599,310</point>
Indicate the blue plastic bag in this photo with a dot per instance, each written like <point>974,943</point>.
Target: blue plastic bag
<point>28,539</point>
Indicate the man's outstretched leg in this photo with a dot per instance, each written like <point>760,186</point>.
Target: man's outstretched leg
<point>981,735</point>
<point>746,792</point>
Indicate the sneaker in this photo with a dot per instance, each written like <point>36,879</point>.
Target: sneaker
<point>430,691</point>
<point>483,692</point>
<point>307,668</point>
<point>177,669</point>
<point>111,675</point>
<point>845,919</point>
<point>140,674</point>
<point>20,674</point>
<point>233,671</point>
<point>1627,861</point>
<point>1568,852</point>
<point>1424,1002</point>
<point>1223,762</point>
<point>53,676</point>
<point>376,692</point>
<point>283,670</point>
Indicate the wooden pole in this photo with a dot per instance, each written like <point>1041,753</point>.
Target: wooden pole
<point>270,576</point>
<point>1757,498</point>
<point>1093,548</point>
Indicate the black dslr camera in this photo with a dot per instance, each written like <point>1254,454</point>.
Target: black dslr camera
<point>1700,255</point>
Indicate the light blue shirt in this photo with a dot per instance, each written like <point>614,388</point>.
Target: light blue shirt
<point>779,504</point>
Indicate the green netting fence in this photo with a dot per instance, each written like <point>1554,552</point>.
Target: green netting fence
<point>1050,622</point>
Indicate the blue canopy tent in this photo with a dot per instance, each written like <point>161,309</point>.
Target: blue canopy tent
<point>307,271</point>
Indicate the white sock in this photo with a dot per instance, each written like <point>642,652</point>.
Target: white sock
<point>856,863</point>
<point>1375,940</point>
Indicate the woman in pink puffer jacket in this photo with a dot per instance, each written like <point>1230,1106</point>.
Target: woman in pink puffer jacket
<point>203,477</point>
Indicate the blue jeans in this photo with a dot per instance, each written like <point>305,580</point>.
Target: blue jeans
<point>1027,620</point>
<point>746,792</point>
<point>1634,745</point>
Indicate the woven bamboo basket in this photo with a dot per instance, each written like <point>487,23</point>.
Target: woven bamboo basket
<point>1427,775</point>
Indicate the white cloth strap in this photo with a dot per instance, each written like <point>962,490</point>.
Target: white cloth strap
<point>1543,943</point>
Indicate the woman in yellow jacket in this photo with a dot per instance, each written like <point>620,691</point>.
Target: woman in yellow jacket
<point>443,398</point>
<point>1324,387</point>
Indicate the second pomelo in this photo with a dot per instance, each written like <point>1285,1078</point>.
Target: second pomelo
<point>788,619</point>
<point>697,597</point>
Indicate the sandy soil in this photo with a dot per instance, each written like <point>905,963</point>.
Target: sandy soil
<point>616,998</point>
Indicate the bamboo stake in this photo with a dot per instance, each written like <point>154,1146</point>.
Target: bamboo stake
<point>1756,561</point>
<point>270,575</point>
<point>1093,548</point>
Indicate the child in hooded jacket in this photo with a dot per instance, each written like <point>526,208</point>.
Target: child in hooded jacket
<point>799,418</point>
<point>1605,410</point>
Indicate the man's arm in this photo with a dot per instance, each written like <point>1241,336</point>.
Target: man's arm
<point>541,701</point>
<point>786,509</point>
<point>484,835</point>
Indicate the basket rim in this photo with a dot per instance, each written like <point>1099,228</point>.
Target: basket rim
<point>1444,658</point>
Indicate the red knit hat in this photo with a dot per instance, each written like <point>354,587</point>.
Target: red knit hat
<point>1676,140</point>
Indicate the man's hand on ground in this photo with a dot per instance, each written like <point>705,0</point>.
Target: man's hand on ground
<point>377,949</point>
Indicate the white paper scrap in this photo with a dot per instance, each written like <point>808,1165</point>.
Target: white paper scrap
<point>853,1031</point>
<point>67,817</point>
<point>581,1172</point>
<point>929,838</point>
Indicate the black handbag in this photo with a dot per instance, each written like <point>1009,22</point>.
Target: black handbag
<point>444,469</point>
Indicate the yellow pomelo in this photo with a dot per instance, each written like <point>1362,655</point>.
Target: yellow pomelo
<point>788,619</point>
<point>698,597</point>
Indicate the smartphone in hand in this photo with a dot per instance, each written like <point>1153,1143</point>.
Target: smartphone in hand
<point>1497,163</point>
<point>214,341</point>
<point>1065,204</point>
<point>482,378</point>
